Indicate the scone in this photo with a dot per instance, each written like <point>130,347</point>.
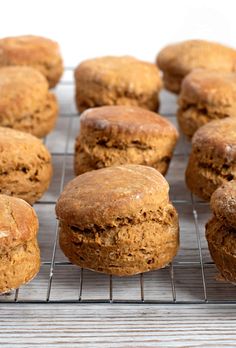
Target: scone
<point>25,165</point>
<point>205,96</point>
<point>25,101</point>
<point>221,230</point>
<point>212,161</point>
<point>177,60</point>
<point>118,220</point>
<point>114,135</point>
<point>19,251</point>
<point>117,81</point>
<point>38,52</point>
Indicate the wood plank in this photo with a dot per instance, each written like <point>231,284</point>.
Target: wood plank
<point>117,326</point>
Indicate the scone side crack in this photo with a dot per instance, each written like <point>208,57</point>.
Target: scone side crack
<point>24,168</point>
<point>224,231</point>
<point>203,111</point>
<point>43,116</point>
<point>224,171</point>
<point>18,246</point>
<point>114,96</point>
<point>161,216</point>
<point>92,151</point>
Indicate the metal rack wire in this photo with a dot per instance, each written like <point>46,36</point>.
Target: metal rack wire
<point>190,279</point>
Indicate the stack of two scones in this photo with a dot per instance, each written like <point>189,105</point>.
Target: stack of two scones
<point>116,217</point>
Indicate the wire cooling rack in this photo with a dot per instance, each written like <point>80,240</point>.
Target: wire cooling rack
<point>192,277</point>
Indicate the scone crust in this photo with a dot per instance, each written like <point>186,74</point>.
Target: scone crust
<point>117,81</point>
<point>212,161</point>
<point>209,88</point>
<point>125,190</point>
<point>25,102</point>
<point>138,245</point>
<point>114,135</point>
<point>25,165</point>
<point>127,121</point>
<point>38,52</point>
<point>221,240</point>
<point>118,220</point>
<point>177,60</point>
<point>217,139</point>
<point>223,203</point>
<point>183,57</point>
<point>19,251</point>
<point>22,90</point>
<point>18,223</point>
<point>205,96</point>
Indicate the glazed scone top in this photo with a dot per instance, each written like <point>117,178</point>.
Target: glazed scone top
<point>182,57</point>
<point>29,49</point>
<point>217,139</point>
<point>22,91</point>
<point>209,87</point>
<point>19,148</point>
<point>18,223</point>
<point>126,120</point>
<point>223,203</point>
<point>104,196</point>
<point>121,73</point>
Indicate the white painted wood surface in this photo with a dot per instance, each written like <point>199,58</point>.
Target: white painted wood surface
<point>119,325</point>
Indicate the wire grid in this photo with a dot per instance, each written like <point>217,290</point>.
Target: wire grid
<point>190,279</point>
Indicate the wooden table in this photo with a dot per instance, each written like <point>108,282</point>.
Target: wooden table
<point>117,326</point>
<point>183,305</point>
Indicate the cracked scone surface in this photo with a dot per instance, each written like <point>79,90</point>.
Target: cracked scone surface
<point>221,230</point>
<point>212,161</point>
<point>117,81</point>
<point>19,251</point>
<point>25,101</point>
<point>223,203</point>
<point>177,60</point>
<point>114,135</point>
<point>206,96</point>
<point>118,220</point>
<point>38,52</point>
<point>25,165</point>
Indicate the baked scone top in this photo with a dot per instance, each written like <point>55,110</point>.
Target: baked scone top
<point>210,87</point>
<point>182,57</point>
<point>217,139</point>
<point>22,91</point>
<point>17,148</point>
<point>18,223</point>
<point>28,49</point>
<point>121,73</point>
<point>223,203</point>
<point>128,120</point>
<point>104,196</point>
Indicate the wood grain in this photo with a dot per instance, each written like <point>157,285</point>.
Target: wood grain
<point>117,326</point>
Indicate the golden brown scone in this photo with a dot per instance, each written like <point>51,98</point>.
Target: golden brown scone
<point>118,220</point>
<point>25,102</point>
<point>206,95</point>
<point>38,52</point>
<point>221,230</point>
<point>25,165</point>
<point>177,60</point>
<point>117,81</point>
<point>223,203</point>
<point>212,161</point>
<point>114,135</point>
<point>19,251</point>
